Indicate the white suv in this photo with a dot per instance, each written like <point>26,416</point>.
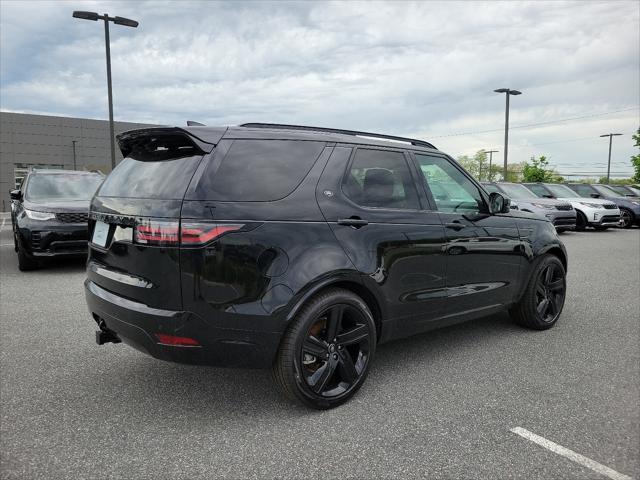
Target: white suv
<point>594,212</point>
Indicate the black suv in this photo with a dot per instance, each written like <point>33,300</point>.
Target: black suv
<point>302,249</point>
<point>49,214</point>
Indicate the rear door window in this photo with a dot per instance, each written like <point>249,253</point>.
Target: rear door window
<point>259,170</point>
<point>381,179</point>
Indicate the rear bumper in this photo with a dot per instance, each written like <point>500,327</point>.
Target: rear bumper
<point>136,325</point>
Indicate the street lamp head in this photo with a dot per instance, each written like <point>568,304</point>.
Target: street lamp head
<point>501,90</point>
<point>514,92</point>
<point>86,15</point>
<point>611,135</point>
<point>125,21</point>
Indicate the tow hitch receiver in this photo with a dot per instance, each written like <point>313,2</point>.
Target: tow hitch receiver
<point>103,337</point>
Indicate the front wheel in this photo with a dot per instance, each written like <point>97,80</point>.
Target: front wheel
<point>25,262</point>
<point>581,221</point>
<point>626,218</point>
<point>543,300</point>
<point>325,355</point>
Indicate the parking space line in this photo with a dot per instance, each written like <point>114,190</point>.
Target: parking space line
<point>570,454</point>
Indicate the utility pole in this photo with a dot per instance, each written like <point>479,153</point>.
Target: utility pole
<point>610,135</point>
<point>73,142</point>
<point>491,152</point>
<point>118,21</point>
<point>508,93</point>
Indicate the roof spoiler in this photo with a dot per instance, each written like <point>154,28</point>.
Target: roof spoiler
<point>167,137</point>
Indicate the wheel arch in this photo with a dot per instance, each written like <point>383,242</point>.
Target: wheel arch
<point>350,284</point>
<point>558,252</point>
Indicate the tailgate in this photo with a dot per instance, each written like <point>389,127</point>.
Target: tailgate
<point>134,218</point>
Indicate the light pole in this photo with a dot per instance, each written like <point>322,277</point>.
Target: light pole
<point>118,21</point>
<point>73,142</point>
<point>508,93</point>
<point>491,152</point>
<point>610,135</point>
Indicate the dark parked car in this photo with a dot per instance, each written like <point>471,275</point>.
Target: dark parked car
<point>558,212</point>
<point>625,190</point>
<point>301,249</point>
<point>629,207</point>
<point>49,215</point>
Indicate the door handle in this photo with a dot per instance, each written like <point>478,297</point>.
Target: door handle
<point>355,222</point>
<point>455,225</point>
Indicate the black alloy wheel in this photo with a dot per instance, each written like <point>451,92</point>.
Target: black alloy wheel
<point>543,300</point>
<point>550,293</point>
<point>335,351</point>
<point>325,355</point>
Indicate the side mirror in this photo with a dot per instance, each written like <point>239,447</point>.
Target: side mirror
<point>498,203</point>
<point>15,194</point>
<point>595,195</point>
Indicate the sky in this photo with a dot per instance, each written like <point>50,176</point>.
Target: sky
<point>419,69</point>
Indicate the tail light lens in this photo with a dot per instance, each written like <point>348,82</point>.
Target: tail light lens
<point>194,233</point>
<point>170,233</point>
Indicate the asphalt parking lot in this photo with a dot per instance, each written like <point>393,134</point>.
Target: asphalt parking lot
<point>439,405</point>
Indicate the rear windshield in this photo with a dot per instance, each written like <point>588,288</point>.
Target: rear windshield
<point>259,170</point>
<point>157,167</point>
<point>61,186</point>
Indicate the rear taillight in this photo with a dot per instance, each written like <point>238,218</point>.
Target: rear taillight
<point>198,233</point>
<point>168,233</point>
<point>157,232</point>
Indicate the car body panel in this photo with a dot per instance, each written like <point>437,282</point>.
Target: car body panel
<point>238,293</point>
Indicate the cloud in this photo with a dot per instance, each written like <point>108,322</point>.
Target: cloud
<point>423,68</point>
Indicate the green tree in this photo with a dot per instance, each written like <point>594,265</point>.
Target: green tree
<point>538,171</point>
<point>635,159</point>
<point>477,166</point>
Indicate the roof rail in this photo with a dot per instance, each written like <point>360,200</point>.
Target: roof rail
<point>412,141</point>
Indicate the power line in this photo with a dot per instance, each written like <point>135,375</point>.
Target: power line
<point>534,124</point>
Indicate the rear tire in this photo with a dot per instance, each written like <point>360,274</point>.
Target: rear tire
<point>543,300</point>
<point>326,353</point>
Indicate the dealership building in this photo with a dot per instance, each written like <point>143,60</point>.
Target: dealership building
<point>43,141</point>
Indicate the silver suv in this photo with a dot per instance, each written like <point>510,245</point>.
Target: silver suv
<point>558,212</point>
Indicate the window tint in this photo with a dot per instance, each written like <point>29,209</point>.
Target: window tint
<point>584,190</point>
<point>167,178</point>
<point>62,186</point>
<point>539,190</point>
<point>260,170</point>
<point>451,189</point>
<point>380,179</point>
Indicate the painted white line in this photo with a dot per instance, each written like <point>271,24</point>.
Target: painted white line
<point>570,454</point>
<point>2,226</point>
<point>6,244</point>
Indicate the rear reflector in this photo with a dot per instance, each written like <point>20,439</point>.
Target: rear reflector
<point>168,233</point>
<point>174,341</point>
